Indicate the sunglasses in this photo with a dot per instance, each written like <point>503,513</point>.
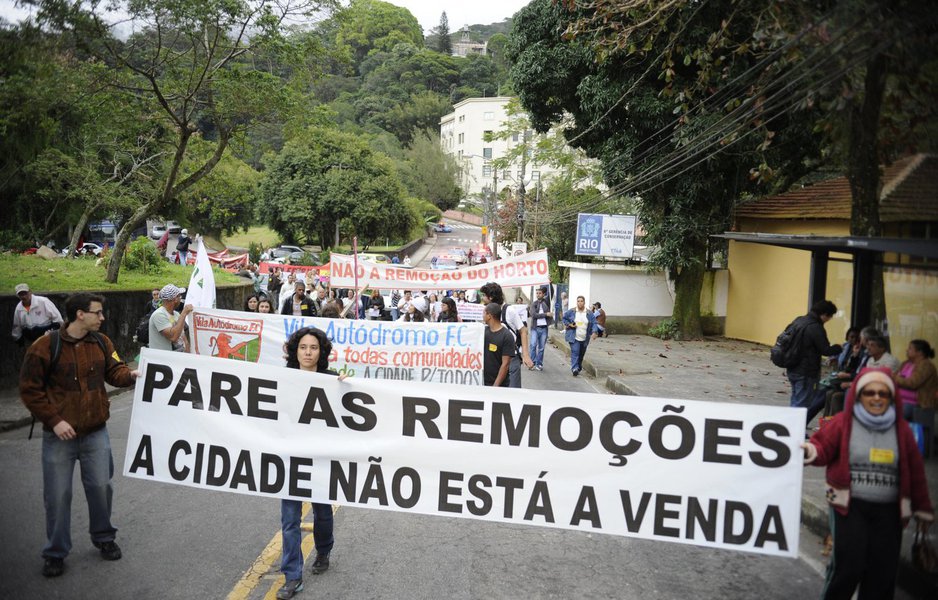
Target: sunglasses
<point>881,393</point>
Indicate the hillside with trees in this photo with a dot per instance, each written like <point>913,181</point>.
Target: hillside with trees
<point>188,110</point>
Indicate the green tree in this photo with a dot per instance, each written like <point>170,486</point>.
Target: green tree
<point>630,109</point>
<point>326,181</point>
<point>429,173</point>
<point>497,50</point>
<point>71,150</point>
<point>444,43</point>
<point>188,68</point>
<point>868,64</point>
<point>478,77</point>
<point>370,25</point>
<point>222,202</point>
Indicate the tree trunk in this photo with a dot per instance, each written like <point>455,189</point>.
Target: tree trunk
<point>687,286</point>
<point>863,173</point>
<point>79,228</point>
<point>863,152</point>
<point>123,237</point>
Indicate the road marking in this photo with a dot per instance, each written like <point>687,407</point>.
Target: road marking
<point>268,557</point>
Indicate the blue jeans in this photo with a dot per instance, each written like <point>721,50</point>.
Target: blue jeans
<point>395,314</point>
<point>291,512</point>
<point>514,370</point>
<point>577,351</point>
<point>538,342</point>
<point>806,393</point>
<point>93,453</point>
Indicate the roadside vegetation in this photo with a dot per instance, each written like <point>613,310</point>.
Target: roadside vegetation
<point>83,274</point>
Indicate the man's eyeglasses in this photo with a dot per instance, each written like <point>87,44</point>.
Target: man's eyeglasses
<point>872,393</point>
<point>100,313</point>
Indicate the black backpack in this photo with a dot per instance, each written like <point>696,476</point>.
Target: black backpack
<point>143,330</point>
<point>786,353</point>
<point>517,334</point>
<point>55,351</point>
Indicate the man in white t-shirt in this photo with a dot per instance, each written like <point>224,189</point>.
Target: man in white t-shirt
<point>540,320</point>
<point>580,326</point>
<point>403,307</point>
<point>167,327</point>
<point>34,316</point>
<point>287,289</point>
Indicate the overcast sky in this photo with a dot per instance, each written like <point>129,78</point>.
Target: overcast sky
<point>458,12</point>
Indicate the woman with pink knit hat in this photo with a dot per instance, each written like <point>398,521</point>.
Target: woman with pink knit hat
<point>875,484</point>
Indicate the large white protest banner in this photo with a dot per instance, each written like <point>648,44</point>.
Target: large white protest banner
<point>514,271</point>
<point>720,475</point>
<point>432,352</point>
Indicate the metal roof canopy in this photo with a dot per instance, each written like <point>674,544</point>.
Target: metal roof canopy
<point>865,251</point>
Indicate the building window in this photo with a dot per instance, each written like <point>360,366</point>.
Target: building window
<point>486,170</point>
<point>487,153</point>
<point>520,175</point>
<point>535,175</point>
<point>514,137</point>
<point>462,138</point>
<point>488,116</point>
<point>506,174</point>
<point>486,135</point>
<point>459,154</point>
<point>462,118</point>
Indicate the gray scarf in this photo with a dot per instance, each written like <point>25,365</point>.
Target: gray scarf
<point>873,422</point>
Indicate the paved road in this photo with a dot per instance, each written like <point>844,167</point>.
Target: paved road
<point>184,543</point>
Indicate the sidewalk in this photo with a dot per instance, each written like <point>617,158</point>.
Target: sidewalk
<point>724,370</point>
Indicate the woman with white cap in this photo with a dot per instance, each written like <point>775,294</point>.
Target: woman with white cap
<point>876,483</point>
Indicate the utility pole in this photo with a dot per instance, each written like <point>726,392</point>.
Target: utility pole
<point>537,204</point>
<point>524,163</point>
<point>494,212</point>
<point>339,166</point>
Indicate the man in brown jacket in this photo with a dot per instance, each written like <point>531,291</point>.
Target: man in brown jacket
<point>70,400</point>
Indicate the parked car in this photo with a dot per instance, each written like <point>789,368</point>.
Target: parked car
<point>457,254</point>
<point>157,231</point>
<point>479,253</point>
<point>85,249</point>
<point>374,257</point>
<point>295,254</point>
<point>442,228</point>
<point>281,252</point>
<point>174,227</point>
<point>444,264</point>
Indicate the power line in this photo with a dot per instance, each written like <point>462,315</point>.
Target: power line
<point>742,115</point>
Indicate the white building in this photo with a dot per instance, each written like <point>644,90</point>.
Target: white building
<point>465,46</point>
<point>462,134</point>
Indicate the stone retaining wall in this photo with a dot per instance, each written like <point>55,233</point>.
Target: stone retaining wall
<point>123,310</point>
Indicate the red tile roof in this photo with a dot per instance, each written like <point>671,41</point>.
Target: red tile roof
<point>910,193</point>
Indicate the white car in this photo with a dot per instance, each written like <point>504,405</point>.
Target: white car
<point>444,264</point>
<point>85,249</point>
<point>157,231</point>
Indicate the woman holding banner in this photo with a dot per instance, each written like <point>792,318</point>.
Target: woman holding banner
<point>308,349</point>
<point>875,484</point>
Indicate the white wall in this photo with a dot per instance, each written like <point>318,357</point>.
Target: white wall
<point>631,291</point>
